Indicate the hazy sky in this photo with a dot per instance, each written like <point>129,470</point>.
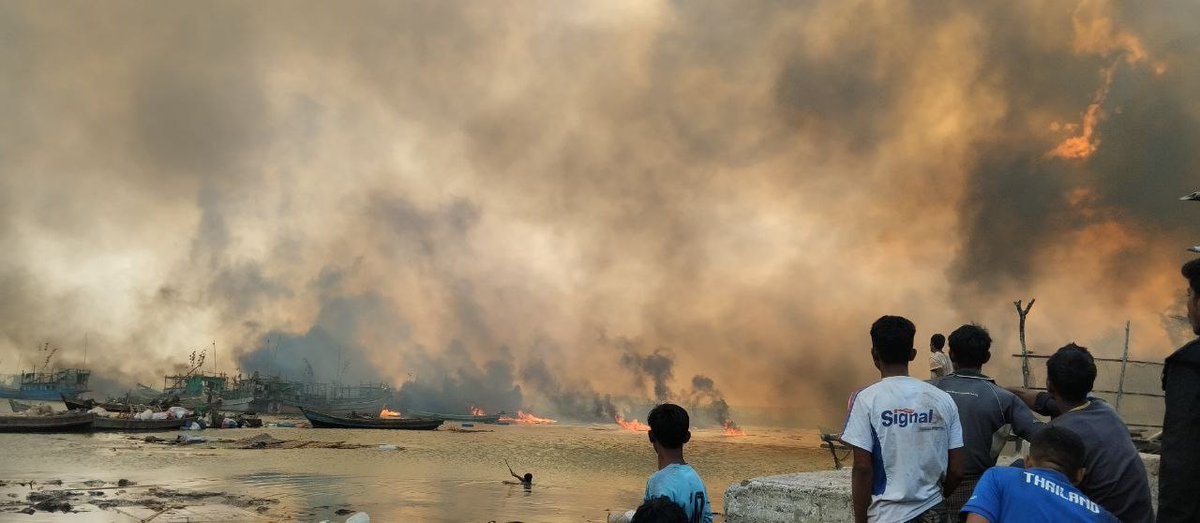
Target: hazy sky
<point>477,194</point>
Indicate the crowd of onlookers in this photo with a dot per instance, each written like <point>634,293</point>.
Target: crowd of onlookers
<point>927,451</point>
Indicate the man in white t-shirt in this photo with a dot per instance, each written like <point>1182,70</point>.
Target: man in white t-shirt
<point>906,436</point>
<point>939,363</point>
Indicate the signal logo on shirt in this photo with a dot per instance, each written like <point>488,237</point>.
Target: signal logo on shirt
<point>905,417</point>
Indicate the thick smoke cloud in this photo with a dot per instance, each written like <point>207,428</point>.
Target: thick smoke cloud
<point>423,184</point>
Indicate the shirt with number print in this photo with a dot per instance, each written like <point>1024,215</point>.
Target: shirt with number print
<point>682,485</point>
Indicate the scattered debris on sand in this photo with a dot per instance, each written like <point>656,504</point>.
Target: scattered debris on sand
<point>140,502</point>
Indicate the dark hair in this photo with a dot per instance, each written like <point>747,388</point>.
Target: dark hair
<point>1073,372</point>
<point>659,510</point>
<point>1191,271</point>
<point>528,477</point>
<point>938,341</point>
<point>892,339</point>
<point>970,346</point>
<point>1060,446</point>
<point>669,425</point>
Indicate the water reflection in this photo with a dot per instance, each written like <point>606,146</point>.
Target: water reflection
<point>580,471</point>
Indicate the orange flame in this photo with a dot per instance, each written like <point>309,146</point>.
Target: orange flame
<point>476,411</point>
<point>732,430</point>
<point>524,418</point>
<point>385,413</point>
<point>631,425</point>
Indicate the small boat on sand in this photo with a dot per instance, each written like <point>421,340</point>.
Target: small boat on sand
<point>466,418</point>
<point>329,421</point>
<point>108,424</point>
<point>17,406</point>
<point>88,404</point>
<point>64,422</point>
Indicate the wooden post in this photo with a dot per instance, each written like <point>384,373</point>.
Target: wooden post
<point>1124,362</point>
<point>1022,313</point>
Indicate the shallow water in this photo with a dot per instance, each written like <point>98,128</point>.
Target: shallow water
<point>580,471</point>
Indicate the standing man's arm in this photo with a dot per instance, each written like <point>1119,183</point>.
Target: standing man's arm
<point>861,477</point>
<point>954,469</point>
<point>1021,418</point>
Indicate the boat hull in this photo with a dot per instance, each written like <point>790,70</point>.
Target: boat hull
<point>464,418</point>
<point>72,422</point>
<point>328,421</point>
<point>102,423</point>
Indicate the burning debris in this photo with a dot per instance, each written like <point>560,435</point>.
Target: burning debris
<point>703,390</point>
<point>634,425</point>
<point>476,411</point>
<point>524,418</point>
<point>385,413</point>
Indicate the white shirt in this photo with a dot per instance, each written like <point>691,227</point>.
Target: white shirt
<point>908,426</point>
<point>940,364</point>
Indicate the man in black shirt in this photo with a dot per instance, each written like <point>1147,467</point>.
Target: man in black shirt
<point>1179,468</point>
<point>983,408</point>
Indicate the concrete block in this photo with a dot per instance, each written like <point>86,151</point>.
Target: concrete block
<point>811,496</point>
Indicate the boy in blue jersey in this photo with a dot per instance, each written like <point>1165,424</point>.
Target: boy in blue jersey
<point>905,434</point>
<point>1044,491</point>
<point>675,479</point>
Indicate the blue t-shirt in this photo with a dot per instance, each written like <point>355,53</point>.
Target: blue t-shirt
<point>681,484</point>
<point>1012,494</point>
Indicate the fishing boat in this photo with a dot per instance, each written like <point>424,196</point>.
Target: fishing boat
<point>465,418</point>
<point>102,423</point>
<point>236,404</point>
<point>17,406</point>
<point>329,421</point>
<point>45,385</point>
<point>89,404</point>
<point>65,422</point>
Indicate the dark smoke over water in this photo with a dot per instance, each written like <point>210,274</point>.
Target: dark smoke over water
<point>459,196</point>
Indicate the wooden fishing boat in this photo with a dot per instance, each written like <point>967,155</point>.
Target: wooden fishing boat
<point>328,421</point>
<point>107,424</point>
<point>491,419</point>
<point>89,404</point>
<point>65,422</point>
<point>17,406</point>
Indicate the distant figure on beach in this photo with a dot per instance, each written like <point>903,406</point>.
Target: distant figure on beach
<point>525,481</point>
<point>659,510</point>
<point>983,409</point>
<point>675,479</point>
<point>1179,467</point>
<point>1045,490</point>
<point>905,434</point>
<point>1116,477</point>
<point>939,363</point>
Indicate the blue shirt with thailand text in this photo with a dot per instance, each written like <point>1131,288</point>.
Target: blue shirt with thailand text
<point>1012,494</point>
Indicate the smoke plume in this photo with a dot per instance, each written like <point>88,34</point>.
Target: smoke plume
<point>456,196</point>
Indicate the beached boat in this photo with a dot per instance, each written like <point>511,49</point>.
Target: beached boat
<point>107,424</point>
<point>17,406</point>
<point>328,421</point>
<point>89,404</point>
<point>465,418</point>
<point>236,404</point>
<point>65,422</point>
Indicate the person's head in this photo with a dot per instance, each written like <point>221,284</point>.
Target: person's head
<point>668,426</point>
<point>970,346</point>
<point>528,478</point>
<point>1059,449</point>
<point>1191,271</point>
<point>659,510</point>
<point>936,342</point>
<point>892,340</point>
<point>1071,373</point>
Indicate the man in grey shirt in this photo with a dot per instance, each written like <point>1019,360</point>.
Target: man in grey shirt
<point>983,408</point>
<point>1116,477</point>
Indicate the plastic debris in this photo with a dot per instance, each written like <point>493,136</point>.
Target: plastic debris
<point>359,517</point>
